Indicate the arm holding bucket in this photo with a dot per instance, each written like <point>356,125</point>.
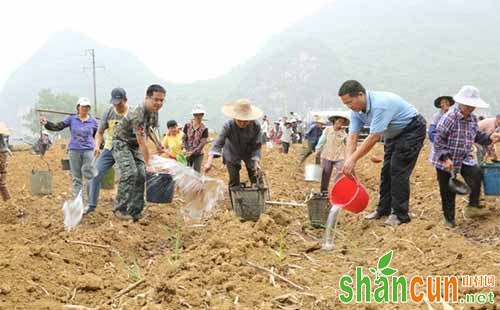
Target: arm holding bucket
<point>216,149</point>
<point>363,149</point>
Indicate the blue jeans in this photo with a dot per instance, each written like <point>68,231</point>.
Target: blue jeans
<point>103,164</point>
<point>76,160</point>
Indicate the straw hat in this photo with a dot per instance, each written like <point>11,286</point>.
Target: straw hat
<point>437,101</point>
<point>4,130</point>
<point>333,118</point>
<point>469,96</point>
<point>242,109</point>
<point>319,119</point>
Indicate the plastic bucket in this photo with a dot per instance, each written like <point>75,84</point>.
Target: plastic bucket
<point>41,182</point>
<point>349,194</point>
<point>312,173</point>
<point>65,164</point>
<point>108,181</point>
<point>159,188</point>
<point>491,179</point>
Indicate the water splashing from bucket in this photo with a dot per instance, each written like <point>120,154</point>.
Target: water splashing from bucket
<point>331,223</point>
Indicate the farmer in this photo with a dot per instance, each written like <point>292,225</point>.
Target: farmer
<point>132,154</point>
<point>172,142</point>
<point>239,140</point>
<point>488,125</point>
<point>443,103</point>
<point>4,151</point>
<point>105,160</point>
<point>404,132</point>
<point>312,136</point>
<point>286,136</point>
<point>265,129</point>
<point>83,128</point>
<point>456,133</point>
<point>195,138</point>
<point>332,143</point>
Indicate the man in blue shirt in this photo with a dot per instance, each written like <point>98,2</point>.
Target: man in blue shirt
<point>404,132</point>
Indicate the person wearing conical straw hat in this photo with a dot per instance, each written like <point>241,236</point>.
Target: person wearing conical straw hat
<point>4,151</point>
<point>331,145</point>
<point>240,140</point>
<point>443,103</point>
<point>456,133</point>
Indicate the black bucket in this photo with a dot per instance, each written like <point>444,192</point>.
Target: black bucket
<point>248,202</point>
<point>159,188</point>
<point>65,164</point>
<point>318,207</point>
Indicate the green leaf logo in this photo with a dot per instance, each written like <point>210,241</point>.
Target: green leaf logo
<point>383,268</point>
<point>385,260</point>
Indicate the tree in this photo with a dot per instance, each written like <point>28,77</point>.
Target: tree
<point>47,99</point>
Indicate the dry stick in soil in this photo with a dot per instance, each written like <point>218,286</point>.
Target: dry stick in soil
<point>125,291</point>
<point>300,288</point>
<point>89,244</point>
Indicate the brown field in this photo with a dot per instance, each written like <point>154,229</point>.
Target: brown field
<point>42,268</point>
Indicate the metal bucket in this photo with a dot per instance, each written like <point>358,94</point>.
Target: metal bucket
<point>269,144</point>
<point>318,207</point>
<point>248,202</point>
<point>313,173</point>
<point>108,181</point>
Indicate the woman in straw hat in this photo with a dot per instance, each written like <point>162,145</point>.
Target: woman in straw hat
<point>4,151</point>
<point>456,133</point>
<point>332,143</point>
<point>312,136</point>
<point>443,103</point>
<point>239,140</point>
<point>195,137</point>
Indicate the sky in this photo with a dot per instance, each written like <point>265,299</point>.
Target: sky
<point>180,41</point>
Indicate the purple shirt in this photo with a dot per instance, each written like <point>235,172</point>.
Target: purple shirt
<point>455,135</point>
<point>82,132</point>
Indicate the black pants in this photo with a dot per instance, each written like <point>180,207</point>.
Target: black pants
<point>195,161</point>
<point>234,172</point>
<point>286,146</point>
<point>472,176</point>
<point>400,156</point>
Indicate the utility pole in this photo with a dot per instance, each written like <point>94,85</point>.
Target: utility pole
<point>92,54</point>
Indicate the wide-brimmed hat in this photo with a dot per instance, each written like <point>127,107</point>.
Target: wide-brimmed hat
<point>4,130</point>
<point>242,109</point>
<point>198,109</point>
<point>469,96</point>
<point>333,117</point>
<point>319,119</point>
<point>437,101</point>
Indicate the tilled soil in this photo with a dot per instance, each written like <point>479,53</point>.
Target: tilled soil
<point>208,264</point>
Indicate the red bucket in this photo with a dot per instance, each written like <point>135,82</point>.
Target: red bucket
<point>349,194</point>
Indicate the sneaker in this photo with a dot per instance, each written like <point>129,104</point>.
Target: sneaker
<point>122,215</point>
<point>393,220</point>
<point>449,224</point>
<point>475,212</point>
<point>88,210</point>
<point>375,215</point>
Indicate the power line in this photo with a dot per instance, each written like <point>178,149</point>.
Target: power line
<point>92,54</point>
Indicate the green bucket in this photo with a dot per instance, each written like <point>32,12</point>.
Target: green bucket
<point>108,181</point>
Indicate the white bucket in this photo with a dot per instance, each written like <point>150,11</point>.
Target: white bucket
<point>313,173</point>
<point>269,144</point>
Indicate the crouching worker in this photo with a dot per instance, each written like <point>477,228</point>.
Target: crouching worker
<point>4,152</point>
<point>239,140</point>
<point>456,133</point>
<point>132,155</point>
